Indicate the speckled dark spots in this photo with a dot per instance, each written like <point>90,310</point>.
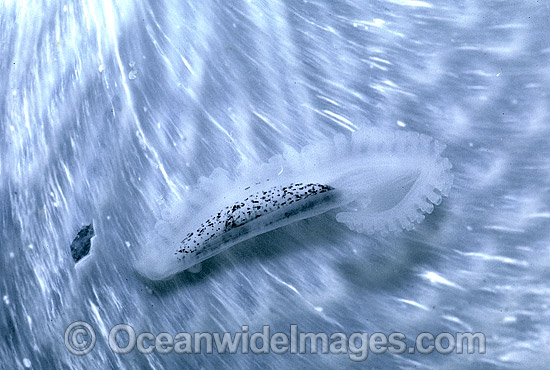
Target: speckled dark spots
<point>240,213</point>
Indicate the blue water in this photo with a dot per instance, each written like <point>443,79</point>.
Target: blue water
<point>109,108</point>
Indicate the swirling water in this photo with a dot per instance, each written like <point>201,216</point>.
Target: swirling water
<point>108,108</point>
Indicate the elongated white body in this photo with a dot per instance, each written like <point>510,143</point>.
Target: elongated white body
<point>380,181</point>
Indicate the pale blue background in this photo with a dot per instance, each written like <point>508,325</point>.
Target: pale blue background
<point>107,108</point>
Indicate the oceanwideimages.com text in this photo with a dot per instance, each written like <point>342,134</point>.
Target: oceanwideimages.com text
<point>80,339</point>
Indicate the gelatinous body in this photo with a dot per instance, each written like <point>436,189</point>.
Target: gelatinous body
<point>378,181</point>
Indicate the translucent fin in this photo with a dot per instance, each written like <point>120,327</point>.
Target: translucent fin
<point>399,200</point>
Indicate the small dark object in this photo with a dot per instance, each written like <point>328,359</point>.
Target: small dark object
<point>80,247</point>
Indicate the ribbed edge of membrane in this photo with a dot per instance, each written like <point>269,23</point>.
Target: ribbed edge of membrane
<point>435,182</point>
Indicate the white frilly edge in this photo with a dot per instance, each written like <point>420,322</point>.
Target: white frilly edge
<point>435,182</point>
